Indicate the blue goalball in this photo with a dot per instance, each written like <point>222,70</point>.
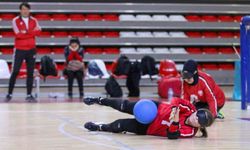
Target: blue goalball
<point>145,111</point>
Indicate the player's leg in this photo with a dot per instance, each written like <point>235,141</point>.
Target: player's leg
<point>79,78</point>
<point>119,126</point>
<point>18,60</point>
<point>30,64</point>
<point>125,106</point>
<point>71,76</point>
<point>118,104</point>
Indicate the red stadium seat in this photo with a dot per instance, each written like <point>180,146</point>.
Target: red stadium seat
<point>168,68</point>
<point>77,34</point>
<point>111,34</point>
<point>193,34</point>
<point>7,34</point>
<point>93,17</point>
<point>209,18</point>
<point>94,50</point>
<point>23,71</point>
<point>94,34</point>
<point>194,50</point>
<point>7,16</point>
<point>237,34</point>
<point>226,50</point>
<point>210,50</point>
<point>237,18</point>
<point>45,34</point>
<point>60,66</point>
<point>109,67</point>
<point>209,34</point>
<point>60,34</point>
<point>224,34</point>
<point>110,17</point>
<point>226,18</point>
<point>226,66</point>
<point>193,18</point>
<point>210,66</point>
<point>7,50</point>
<point>111,50</point>
<point>43,50</point>
<point>59,17</point>
<point>58,50</point>
<point>41,17</point>
<point>76,17</point>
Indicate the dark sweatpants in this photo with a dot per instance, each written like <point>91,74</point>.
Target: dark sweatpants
<point>30,57</point>
<point>79,77</point>
<point>124,125</point>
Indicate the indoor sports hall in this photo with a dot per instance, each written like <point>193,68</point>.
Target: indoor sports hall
<point>60,61</point>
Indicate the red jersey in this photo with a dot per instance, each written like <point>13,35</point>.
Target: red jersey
<point>25,41</point>
<point>162,125</point>
<point>206,91</point>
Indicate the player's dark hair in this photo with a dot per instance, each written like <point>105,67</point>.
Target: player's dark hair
<point>24,4</point>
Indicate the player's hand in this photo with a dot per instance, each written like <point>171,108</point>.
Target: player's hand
<point>176,116</point>
<point>173,112</point>
<point>23,31</point>
<point>36,29</point>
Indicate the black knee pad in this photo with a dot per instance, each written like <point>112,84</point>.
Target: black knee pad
<point>116,127</point>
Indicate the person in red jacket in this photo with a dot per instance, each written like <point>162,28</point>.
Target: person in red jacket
<point>180,119</point>
<point>74,52</point>
<point>201,90</point>
<point>26,28</point>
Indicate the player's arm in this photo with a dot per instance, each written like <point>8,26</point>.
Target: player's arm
<point>183,105</point>
<point>20,34</point>
<point>211,99</point>
<point>37,29</point>
<point>173,131</point>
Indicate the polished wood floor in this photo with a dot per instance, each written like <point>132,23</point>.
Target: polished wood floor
<point>59,126</point>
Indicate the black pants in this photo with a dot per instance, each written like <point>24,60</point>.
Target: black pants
<point>79,77</point>
<point>30,59</point>
<point>124,125</point>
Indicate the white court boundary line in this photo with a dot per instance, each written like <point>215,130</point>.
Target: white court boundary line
<point>67,120</point>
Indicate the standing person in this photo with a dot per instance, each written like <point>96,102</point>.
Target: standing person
<point>75,67</point>
<point>201,90</point>
<point>26,28</point>
<point>180,119</point>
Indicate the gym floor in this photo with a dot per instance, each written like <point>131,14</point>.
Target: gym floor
<point>57,124</point>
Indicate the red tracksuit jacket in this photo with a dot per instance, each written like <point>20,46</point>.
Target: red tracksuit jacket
<point>25,41</point>
<point>162,125</point>
<point>206,90</point>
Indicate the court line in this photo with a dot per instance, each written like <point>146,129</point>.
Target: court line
<point>61,129</point>
<point>67,120</point>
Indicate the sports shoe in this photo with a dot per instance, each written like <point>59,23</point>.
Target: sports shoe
<point>220,115</point>
<point>92,126</point>
<point>8,98</point>
<point>31,99</point>
<point>92,100</point>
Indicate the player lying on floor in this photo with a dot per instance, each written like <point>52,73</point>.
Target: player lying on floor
<point>178,119</point>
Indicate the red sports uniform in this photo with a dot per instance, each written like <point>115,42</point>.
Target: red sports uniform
<point>206,91</point>
<point>162,125</point>
<point>25,41</point>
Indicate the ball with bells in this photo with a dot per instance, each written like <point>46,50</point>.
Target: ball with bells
<point>145,111</point>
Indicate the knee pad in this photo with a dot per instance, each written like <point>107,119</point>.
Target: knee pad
<point>116,127</point>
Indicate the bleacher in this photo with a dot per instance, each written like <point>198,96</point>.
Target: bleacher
<point>204,32</point>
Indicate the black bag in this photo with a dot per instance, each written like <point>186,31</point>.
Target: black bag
<point>48,67</point>
<point>148,66</point>
<point>133,80</point>
<point>123,66</point>
<point>113,88</point>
